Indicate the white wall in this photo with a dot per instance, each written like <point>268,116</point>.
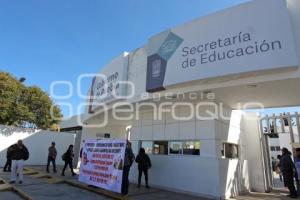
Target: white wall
<point>233,173</point>
<point>137,71</point>
<point>192,174</point>
<point>253,152</point>
<point>233,177</point>
<point>171,129</point>
<point>293,6</point>
<point>37,142</point>
<point>238,176</point>
<point>115,132</point>
<point>214,176</point>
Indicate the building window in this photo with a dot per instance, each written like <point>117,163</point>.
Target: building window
<point>278,148</point>
<point>160,147</point>
<point>175,147</point>
<point>272,148</point>
<point>191,148</point>
<point>148,146</point>
<point>230,150</point>
<point>275,148</point>
<point>171,147</point>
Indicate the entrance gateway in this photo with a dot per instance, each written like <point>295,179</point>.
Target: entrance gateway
<point>278,132</point>
<point>191,119</point>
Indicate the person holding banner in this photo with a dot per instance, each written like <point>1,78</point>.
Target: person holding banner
<point>68,158</point>
<point>128,160</point>
<point>144,163</point>
<point>81,150</point>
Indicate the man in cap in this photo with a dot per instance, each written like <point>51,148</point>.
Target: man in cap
<point>52,153</point>
<point>287,167</point>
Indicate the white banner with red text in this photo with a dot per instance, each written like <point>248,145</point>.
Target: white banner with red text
<point>102,163</point>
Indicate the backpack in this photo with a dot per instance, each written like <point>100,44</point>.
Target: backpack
<point>63,157</point>
<point>26,154</point>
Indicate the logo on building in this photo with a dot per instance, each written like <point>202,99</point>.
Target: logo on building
<point>161,49</point>
<point>156,68</point>
<point>169,46</point>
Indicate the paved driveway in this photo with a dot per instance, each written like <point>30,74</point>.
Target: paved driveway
<point>41,189</point>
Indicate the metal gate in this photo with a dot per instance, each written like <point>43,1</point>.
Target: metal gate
<point>272,126</point>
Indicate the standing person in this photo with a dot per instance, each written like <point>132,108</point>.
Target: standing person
<point>288,170</point>
<point>80,154</point>
<point>68,158</point>
<point>277,168</point>
<point>297,165</point>
<point>273,164</point>
<point>295,170</point>
<point>7,166</point>
<point>128,160</point>
<point>52,153</point>
<point>19,153</point>
<point>144,163</point>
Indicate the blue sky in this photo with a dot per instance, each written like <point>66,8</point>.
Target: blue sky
<point>53,40</point>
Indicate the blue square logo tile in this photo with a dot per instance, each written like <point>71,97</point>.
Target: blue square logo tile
<point>169,46</point>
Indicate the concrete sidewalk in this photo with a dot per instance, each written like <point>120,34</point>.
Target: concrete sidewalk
<point>134,192</point>
<point>264,196</point>
<point>41,189</point>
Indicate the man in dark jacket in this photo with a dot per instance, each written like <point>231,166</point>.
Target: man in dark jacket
<point>7,166</point>
<point>128,160</point>
<point>144,163</point>
<point>19,153</point>
<point>52,153</point>
<point>288,170</point>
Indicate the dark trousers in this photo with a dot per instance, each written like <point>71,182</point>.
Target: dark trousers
<point>289,181</point>
<point>7,165</point>
<point>145,171</point>
<point>298,188</point>
<point>125,181</point>
<point>68,162</point>
<point>51,159</point>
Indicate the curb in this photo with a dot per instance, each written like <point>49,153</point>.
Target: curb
<point>4,186</point>
<point>54,180</point>
<point>96,190</point>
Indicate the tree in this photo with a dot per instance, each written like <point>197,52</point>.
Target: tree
<point>25,106</point>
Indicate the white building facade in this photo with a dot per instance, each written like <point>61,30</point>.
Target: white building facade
<point>181,97</point>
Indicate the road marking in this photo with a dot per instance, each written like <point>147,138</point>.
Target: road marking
<point>4,186</point>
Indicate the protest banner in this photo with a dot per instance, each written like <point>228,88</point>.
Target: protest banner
<point>102,163</point>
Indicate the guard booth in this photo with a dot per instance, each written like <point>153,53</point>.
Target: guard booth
<point>278,131</point>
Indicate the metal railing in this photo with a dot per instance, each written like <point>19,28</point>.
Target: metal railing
<point>282,121</point>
